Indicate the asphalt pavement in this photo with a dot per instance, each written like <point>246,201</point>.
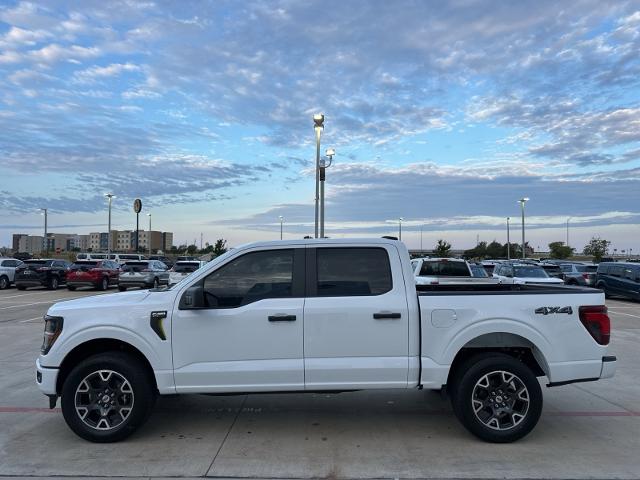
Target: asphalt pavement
<point>588,430</point>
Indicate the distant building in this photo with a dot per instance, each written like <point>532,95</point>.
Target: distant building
<point>121,241</point>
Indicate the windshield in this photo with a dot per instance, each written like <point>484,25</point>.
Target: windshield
<point>478,271</point>
<point>84,265</point>
<point>587,268</point>
<point>530,272</point>
<point>134,266</point>
<point>186,267</point>
<point>444,268</point>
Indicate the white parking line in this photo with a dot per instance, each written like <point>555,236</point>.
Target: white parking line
<point>622,313</point>
<point>31,319</point>
<point>26,294</point>
<point>28,304</point>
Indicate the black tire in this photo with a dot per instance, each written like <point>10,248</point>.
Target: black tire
<point>104,284</point>
<point>490,377</point>
<point>71,288</point>
<point>128,389</point>
<point>21,287</point>
<point>121,288</point>
<point>53,283</point>
<point>4,282</point>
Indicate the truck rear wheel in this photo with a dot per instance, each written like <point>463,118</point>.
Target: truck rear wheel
<point>107,397</point>
<point>497,398</point>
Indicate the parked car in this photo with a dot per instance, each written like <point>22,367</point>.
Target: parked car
<point>122,258</point>
<point>181,270</point>
<point>8,271</point>
<point>48,273</point>
<point>321,315</point>
<point>186,258</point>
<point>100,274</point>
<point>552,270</point>
<point>22,256</point>
<point>143,274</point>
<point>432,271</point>
<point>579,274</point>
<point>91,256</point>
<point>618,278</point>
<point>166,260</point>
<point>523,273</point>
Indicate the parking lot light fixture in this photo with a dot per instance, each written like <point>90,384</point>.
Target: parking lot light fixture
<point>568,230</point>
<point>149,235</point>
<point>281,221</point>
<point>318,126</point>
<point>522,201</point>
<point>110,197</point>
<point>400,228</point>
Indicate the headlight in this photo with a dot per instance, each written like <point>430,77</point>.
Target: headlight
<point>52,330</point>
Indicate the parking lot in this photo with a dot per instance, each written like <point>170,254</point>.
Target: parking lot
<point>587,430</point>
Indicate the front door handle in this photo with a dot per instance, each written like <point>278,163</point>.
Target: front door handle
<point>385,315</point>
<point>282,317</point>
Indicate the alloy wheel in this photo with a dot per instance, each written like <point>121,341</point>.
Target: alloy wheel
<point>500,400</point>
<point>104,400</point>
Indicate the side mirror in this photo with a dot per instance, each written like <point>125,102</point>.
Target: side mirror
<point>192,298</point>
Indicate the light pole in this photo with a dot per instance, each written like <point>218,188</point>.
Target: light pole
<point>568,230</point>
<point>421,228</point>
<point>281,220</point>
<point>323,167</point>
<point>110,196</point>
<point>508,240</point>
<point>149,236</point>
<point>522,201</point>
<point>45,243</point>
<point>400,228</point>
<point>318,126</point>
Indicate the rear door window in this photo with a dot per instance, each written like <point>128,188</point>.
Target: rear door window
<point>444,268</point>
<point>347,272</point>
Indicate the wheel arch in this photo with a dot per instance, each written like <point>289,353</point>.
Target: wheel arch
<point>509,343</point>
<point>101,345</point>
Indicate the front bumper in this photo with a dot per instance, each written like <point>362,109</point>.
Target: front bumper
<point>46,378</point>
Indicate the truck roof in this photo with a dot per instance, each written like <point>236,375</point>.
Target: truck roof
<point>324,241</point>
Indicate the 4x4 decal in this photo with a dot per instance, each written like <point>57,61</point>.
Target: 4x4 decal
<point>550,310</point>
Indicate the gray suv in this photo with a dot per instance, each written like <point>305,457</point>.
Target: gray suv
<point>143,274</point>
<point>579,274</point>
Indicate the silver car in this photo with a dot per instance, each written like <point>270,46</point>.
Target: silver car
<point>8,271</point>
<point>143,274</point>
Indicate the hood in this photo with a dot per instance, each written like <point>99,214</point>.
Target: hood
<point>105,300</point>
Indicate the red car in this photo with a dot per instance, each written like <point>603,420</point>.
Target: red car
<point>100,274</point>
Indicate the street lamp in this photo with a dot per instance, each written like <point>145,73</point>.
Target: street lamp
<point>281,220</point>
<point>568,230</point>
<point>522,201</point>
<point>323,167</point>
<point>45,243</point>
<point>421,228</point>
<point>110,196</point>
<point>318,126</point>
<point>508,240</point>
<point>400,228</point>
<point>149,236</point>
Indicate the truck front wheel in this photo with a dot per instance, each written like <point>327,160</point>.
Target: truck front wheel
<point>107,397</point>
<point>497,398</point>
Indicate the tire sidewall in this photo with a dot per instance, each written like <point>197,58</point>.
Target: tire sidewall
<point>104,284</point>
<point>4,282</point>
<point>143,390</point>
<point>53,283</point>
<point>463,391</point>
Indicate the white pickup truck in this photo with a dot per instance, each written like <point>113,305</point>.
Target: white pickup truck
<point>321,315</point>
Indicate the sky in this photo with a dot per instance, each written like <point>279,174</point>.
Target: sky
<point>442,113</point>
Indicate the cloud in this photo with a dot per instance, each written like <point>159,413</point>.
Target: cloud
<point>90,75</point>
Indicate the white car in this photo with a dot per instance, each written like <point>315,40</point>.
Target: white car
<point>434,271</point>
<point>523,273</point>
<point>321,315</point>
<point>183,269</point>
<point>8,271</point>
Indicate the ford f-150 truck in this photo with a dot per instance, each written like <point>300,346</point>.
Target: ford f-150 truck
<point>321,315</point>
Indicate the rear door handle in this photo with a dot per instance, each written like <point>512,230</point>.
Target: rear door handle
<point>385,315</point>
<point>282,317</point>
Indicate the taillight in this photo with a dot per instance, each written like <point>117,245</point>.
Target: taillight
<point>596,321</point>
<point>585,276</point>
